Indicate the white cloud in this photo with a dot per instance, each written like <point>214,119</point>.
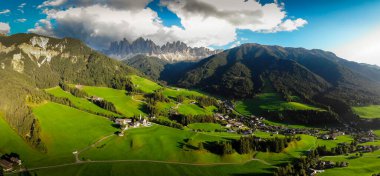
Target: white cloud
<point>5,11</point>
<point>4,28</point>
<point>99,25</point>
<point>289,25</point>
<point>52,3</point>
<point>21,7</point>
<point>21,20</point>
<point>235,44</point>
<point>365,49</point>
<point>204,22</point>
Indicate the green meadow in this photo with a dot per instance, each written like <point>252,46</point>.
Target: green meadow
<point>367,165</point>
<point>369,112</point>
<point>123,102</point>
<point>269,102</point>
<point>193,109</point>
<point>65,130</point>
<point>159,143</point>
<point>144,84</point>
<point>205,126</point>
<point>141,168</point>
<point>175,92</point>
<point>79,102</point>
<point>10,141</point>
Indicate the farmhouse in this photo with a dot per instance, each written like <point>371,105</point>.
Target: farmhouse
<point>16,160</point>
<point>123,121</point>
<point>95,98</point>
<point>6,165</point>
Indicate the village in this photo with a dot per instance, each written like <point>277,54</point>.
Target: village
<point>126,123</point>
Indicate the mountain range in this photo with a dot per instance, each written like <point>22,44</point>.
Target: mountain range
<point>172,52</point>
<point>30,63</point>
<point>316,76</point>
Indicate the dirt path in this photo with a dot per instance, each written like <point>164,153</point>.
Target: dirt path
<point>77,153</point>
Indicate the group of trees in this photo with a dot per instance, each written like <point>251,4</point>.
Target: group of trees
<point>188,119</point>
<point>168,123</point>
<point>343,149</point>
<point>218,147</point>
<point>122,82</point>
<point>312,159</point>
<point>250,144</point>
<point>152,100</point>
<point>73,90</point>
<point>105,105</point>
<point>205,101</point>
<point>309,117</point>
<point>253,143</point>
<point>157,96</point>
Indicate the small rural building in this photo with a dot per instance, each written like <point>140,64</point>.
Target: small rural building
<point>16,160</point>
<point>123,121</point>
<point>6,165</point>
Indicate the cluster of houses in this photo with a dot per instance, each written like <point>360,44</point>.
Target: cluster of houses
<point>332,135</point>
<point>125,124</point>
<point>232,125</point>
<point>8,163</point>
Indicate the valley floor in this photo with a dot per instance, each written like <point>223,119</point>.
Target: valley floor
<point>79,142</point>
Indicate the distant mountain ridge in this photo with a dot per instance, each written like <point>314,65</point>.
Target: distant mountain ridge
<point>172,52</point>
<point>243,71</point>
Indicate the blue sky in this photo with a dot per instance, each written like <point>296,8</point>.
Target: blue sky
<point>331,25</point>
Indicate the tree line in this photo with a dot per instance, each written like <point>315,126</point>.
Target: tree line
<point>248,144</point>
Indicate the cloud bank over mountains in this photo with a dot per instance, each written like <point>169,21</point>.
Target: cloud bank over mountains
<point>203,22</point>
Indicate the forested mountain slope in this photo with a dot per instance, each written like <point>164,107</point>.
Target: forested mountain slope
<point>242,71</point>
<point>29,63</point>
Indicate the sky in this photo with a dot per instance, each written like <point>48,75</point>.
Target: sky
<point>349,28</point>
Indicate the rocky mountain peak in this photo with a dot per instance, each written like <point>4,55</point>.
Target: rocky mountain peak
<point>171,51</point>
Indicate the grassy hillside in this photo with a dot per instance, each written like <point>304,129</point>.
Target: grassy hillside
<point>65,130</point>
<point>123,102</point>
<point>269,102</point>
<point>10,141</point>
<point>175,92</point>
<point>159,143</point>
<point>158,169</point>
<point>367,165</point>
<point>205,126</point>
<point>368,112</point>
<point>193,109</point>
<point>79,102</point>
<point>143,84</point>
